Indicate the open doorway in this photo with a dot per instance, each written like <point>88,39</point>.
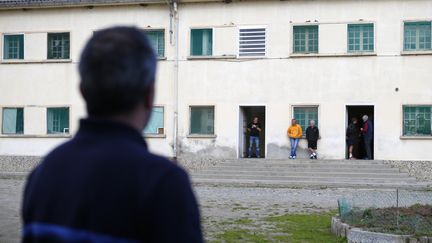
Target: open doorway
<point>247,114</point>
<point>358,111</point>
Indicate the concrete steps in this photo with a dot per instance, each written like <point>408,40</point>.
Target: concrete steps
<point>305,173</point>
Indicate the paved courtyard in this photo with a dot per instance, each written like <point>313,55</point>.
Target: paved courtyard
<point>220,206</point>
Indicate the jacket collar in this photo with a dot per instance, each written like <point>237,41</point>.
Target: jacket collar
<point>108,128</point>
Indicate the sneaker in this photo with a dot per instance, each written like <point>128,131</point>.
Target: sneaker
<point>290,157</point>
<point>294,157</point>
<point>315,157</point>
<point>311,156</point>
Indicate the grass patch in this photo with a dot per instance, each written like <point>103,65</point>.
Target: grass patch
<point>295,228</point>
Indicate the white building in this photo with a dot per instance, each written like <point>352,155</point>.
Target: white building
<point>327,60</point>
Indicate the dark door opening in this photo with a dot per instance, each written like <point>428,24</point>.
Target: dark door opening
<point>358,112</point>
<point>247,113</point>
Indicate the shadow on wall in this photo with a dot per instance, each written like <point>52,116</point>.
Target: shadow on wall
<point>275,151</point>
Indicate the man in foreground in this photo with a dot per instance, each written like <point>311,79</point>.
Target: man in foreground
<point>104,185</point>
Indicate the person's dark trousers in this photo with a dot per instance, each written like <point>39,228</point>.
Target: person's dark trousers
<point>368,144</point>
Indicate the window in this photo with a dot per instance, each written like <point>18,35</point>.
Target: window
<point>202,120</point>
<point>157,39</point>
<point>58,45</point>
<point>58,120</point>
<point>417,36</point>
<point>305,39</point>
<point>417,120</point>
<point>13,47</point>
<point>360,37</point>
<point>201,42</point>
<point>156,122</point>
<point>13,121</point>
<point>304,114</point>
<point>252,42</point>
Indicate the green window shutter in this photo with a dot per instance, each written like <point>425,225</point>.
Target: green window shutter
<point>303,115</point>
<point>417,120</point>
<point>202,120</point>
<point>21,47</point>
<point>417,36</point>
<point>305,39</point>
<point>58,120</point>
<point>201,42</point>
<point>13,47</point>
<point>360,38</point>
<point>157,40</point>
<point>156,122</point>
<point>58,46</point>
<point>13,121</point>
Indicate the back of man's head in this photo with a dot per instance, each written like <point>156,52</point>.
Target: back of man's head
<point>117,69</point>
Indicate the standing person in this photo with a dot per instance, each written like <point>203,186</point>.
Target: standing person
<point>294,134</point>
<point>367,131</point>
<point>104,185</point>
<point>312,135</point>
<point>352,135</point>
<point>254,129</point>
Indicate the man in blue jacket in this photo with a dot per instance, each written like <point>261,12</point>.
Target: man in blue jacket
<point>368,133</point>
<point>104,185</point>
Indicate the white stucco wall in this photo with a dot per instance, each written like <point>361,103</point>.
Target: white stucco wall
<point>279,81</point>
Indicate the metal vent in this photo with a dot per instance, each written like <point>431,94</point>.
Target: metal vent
<point>252,42</point>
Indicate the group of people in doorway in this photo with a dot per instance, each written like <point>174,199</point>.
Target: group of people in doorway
<point>295,132</point>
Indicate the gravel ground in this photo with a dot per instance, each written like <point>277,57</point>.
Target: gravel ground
<point>218,205</point>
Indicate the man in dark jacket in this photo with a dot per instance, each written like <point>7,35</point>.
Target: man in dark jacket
<point>312,136</point>
<point>104,185</point>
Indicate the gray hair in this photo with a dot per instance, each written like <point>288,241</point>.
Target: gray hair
<point>365,117</point>
<point>312,121</point>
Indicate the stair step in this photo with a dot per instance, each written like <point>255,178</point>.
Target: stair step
<point>287,169</point>
<point>304,173</point>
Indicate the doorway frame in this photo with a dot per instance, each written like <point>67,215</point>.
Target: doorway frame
<point>375,107</point>
<point>239,106</point>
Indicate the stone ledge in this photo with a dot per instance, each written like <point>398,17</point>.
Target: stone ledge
<point>422,170</point>
<point>357,235</point>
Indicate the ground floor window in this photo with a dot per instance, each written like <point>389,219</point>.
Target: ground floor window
<point>156,122</point>
<point>13,121</point>
<point>202,120</point>
<point>417,120</point>
<point>58,120</point>
<point>303,114</point>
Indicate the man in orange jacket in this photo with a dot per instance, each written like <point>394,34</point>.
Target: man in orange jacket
<point>294,134</point>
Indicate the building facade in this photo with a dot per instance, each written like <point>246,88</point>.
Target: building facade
<point>222,63</point>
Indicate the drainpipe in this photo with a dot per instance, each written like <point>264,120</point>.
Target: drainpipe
<point>174,31</point>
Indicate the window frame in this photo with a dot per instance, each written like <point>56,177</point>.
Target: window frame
<point>293,51</point>
<point>265,40</point>
<point>164,40</point>
<point>212,45</point>
<point>317,106</point>
<point>2,121</point>
<point>164,124</point>
<point>416,51</point>
<point>197,135</point>
<point>411,136</point>
<point>48,45</point>
<point>4,46</point>
<point>361,38</point>
<point>69,121</point>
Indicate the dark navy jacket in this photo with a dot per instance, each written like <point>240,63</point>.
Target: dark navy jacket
<point>104,186</point>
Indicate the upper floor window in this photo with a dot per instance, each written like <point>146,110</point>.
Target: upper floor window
<point>417,36</point>
<point>252,41</point>
<point>156,122</point>
<point>360,37</point>
<point>305,39</point>
<point>157,40</point>
<point>13,121</point>
<point>201,42</point>
<point>417,120</point>
<point>202,120</point>
<point>58,120</point>
<point>58,45</point>
<point>13,47</point>
<point>304,114</point>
